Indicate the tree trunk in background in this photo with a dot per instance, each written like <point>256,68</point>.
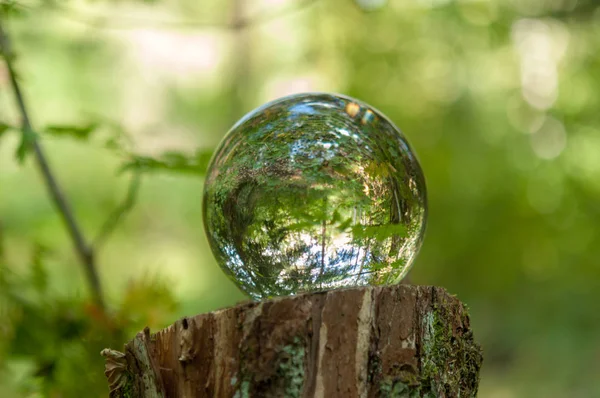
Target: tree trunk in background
<point>393,341</point>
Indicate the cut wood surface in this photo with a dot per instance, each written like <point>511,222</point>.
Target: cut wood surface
<point>392,341</point>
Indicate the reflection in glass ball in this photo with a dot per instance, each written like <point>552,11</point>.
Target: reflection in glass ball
<point>313,192</point>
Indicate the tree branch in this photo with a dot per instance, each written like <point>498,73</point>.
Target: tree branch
<point>83,249</point>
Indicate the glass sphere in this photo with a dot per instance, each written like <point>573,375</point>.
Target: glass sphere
<point>313,192</point>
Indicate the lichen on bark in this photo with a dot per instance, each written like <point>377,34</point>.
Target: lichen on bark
<point>291,368</point>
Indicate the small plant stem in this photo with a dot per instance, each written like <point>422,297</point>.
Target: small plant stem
<point>83,249</point>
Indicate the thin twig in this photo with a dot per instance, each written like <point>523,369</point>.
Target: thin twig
<point>83,249</point>
<point>119,213</point>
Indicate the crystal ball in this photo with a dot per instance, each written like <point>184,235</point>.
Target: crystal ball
<point>313,192</point>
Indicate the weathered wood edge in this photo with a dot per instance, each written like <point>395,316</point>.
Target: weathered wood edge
<point>409,341</point>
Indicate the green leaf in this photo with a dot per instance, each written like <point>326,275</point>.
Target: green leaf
<point>112,144</point>
<point>379,232</point>
<point>4,127</point>
<point>172,162</point>
<point>345,224</point>
<point>28,137</point>
<point>9,8</point>
<point>203,157</point>
<point>78,132</point>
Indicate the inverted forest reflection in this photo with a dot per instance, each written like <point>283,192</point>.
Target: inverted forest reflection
<point>314,191</point>
<point>499,99</point>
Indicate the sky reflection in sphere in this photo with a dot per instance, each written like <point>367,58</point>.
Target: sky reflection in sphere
<point>313,192</point>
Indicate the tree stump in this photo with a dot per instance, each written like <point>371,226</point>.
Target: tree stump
<point>392,341</point>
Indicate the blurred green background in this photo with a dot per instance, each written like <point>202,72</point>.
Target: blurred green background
<point>500,100</point>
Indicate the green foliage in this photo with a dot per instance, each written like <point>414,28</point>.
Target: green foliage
<point>11,8</point>
<point>4,128</point>
<point>83,132</point>
<point>378,232</point>
<point>28,138</point>
<point>172,162</point>
<point>58,337</point>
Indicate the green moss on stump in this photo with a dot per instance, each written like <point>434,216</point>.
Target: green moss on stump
<point>449,365</point>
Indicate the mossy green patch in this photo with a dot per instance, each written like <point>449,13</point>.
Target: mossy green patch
<point>449,364</point>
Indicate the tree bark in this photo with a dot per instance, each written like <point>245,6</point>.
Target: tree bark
<point>392,341</point>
